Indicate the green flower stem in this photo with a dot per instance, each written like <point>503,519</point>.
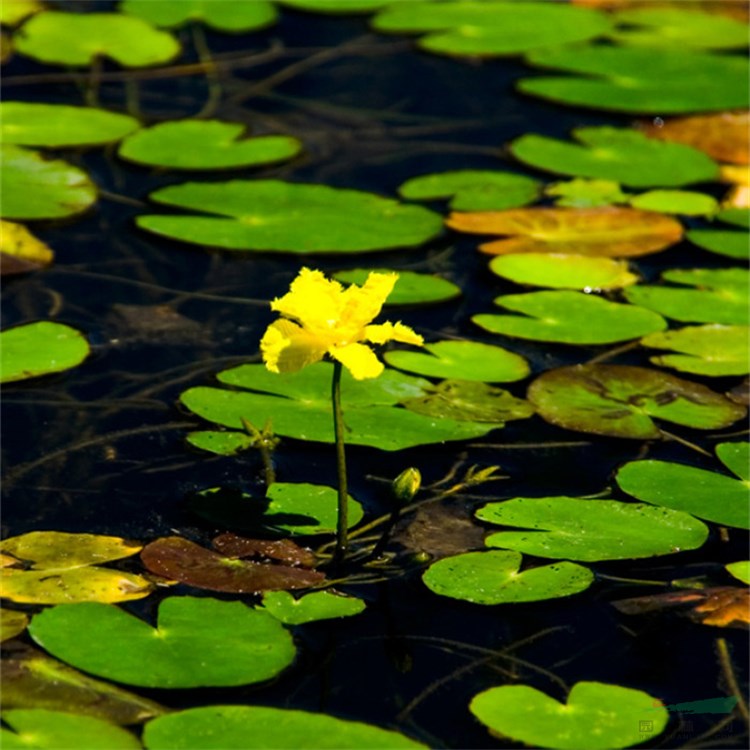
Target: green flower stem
<point>342,522</point>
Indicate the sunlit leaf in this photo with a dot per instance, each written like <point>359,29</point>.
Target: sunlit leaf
<point>20,250</point>
<point>12,12</point>
<point>223,15</point>
<point>720,296</point>
<point>411,288</point>
<point>736,457</point>
<point>12,623</point>
<point>205,144</point>
<point>583,193</point>
<point>36,188</point>
<point>682,202</point>
<point>622,401</point>
<point>725,607</point>
<point>197,642</point>
<point>279,216</point>
<point>640,80</point>
<point>461,360</point>
<point>473,189</point>
<point>740,570</point>
<point>79,38</point>
<point>55,125</point>
<point>181,560</point>
<point>619,154</point>
<point>261,728</point>
<point>318,605</point>
<point>712,350</point>
<point>492,27</point>
<point>706,494</point>
<point>335,6</point>
<point>738,176</point>
<point>569,318</point>
<point>596,716</point>
<point>33,680</point>
<point>562,271</point>
<point>493,577</point>
<point>609,231</point>
<point>589,530</point>
<point>59,730</point>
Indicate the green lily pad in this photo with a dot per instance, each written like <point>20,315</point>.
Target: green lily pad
<point>721,295</point>
<point>53,125</point>
<point>197,643</point>
<point>40,348</point>
<point>57,730</point>
<point>729,242</point>
<point>37,188</point>
<point>678,28</point>
<point>12,623</point>
<point>622,401</point>
<point>335,6</point>
<point>590,530</point>
<point>640,80</point>
<point>411,288</point>
<point>299,406</point>
<point>32,679</point>
<point>738,217</point>
<point>223,15</point>
<point>222,443</point>
<point>79,38</point>
<point>596,716</point>
<point>563,271</point>
<point>12,12</point>
<point>712,350</point>
<point>736,457</point>
<point>270,215</point>
<point>706,494</point>
<point>569,318</point>
<point>491,28</point>
<point>179,559</point>
<point>473,189</point>
<point>205,144</point>
<point>318,605</point>
<point>467,400</point>
<point>682,202</point>
<point>619,154</point>
<point>462,360</point>
<point>260,728</point>
<point>740,570</point>
<point>493,578</point>
<point>582,193</point>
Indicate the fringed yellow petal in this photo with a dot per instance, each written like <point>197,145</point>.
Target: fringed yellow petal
<point>380,334</point>
<point>359,359</point>
<point>286,347</point>
<point>313,300</point>
<point>362,304</point>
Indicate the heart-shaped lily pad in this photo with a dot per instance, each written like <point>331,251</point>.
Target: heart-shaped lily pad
<point>640,80</point>
<point>59,730</point>
<point>570,318</point>
<point>261,728</point>
<point>20,250</point>
<point>462,360</point>
<point>79,38</point>
<point>562,271</point>
<point>271,215</point>
<point>53,125</point>
<point>473,189</point>
<point>411,288</point>
<point>622,401</point>
<point>223,15</point>
<point>612,231</point>
<point>583,193</point>
<point>595,717</point>
<point>197,643</point>
<point>36,188</point>
<point>706,494</point>
<point>222,443</point>
<point>589,530</point>
<point>205,144</point>
<point>722,295</point>
<point>494,578</point>
<point>299,406</point>
<point>318,605</point>
<point>685,202</point>
<point>712,350</point>
<point>181,560</point>
<point>620,154</point>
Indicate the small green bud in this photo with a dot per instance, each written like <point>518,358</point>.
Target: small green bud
<point>406,485</point>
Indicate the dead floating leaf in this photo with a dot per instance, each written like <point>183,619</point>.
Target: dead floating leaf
<point>283,550</point>
<point>182,560</point>
<point>737,9</point>
<point>723,136</point>
<point>605,231</point>
<point>20,251</point>
<point>738,176</point>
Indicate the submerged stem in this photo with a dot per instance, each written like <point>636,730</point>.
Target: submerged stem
<point>342,522</point>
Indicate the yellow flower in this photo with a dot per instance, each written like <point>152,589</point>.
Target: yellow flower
<point>321,317</point>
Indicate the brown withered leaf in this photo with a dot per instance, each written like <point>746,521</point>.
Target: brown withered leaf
<point>20,250</point>
<point>725,607</point>
<point>282,550</point>
<point>724,136</point>
<point>610,231</point>
<point>737,9</point>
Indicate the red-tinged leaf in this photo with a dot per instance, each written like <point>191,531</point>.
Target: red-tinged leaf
<point>282,550</point>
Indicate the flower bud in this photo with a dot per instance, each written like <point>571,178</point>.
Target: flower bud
<point>406,485</point>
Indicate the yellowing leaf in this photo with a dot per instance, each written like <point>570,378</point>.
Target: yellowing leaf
<point>609,231</point>
<point>20,251</point>
<point>12,623</point>
<point>726,607</point>
<point>738,176</point>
